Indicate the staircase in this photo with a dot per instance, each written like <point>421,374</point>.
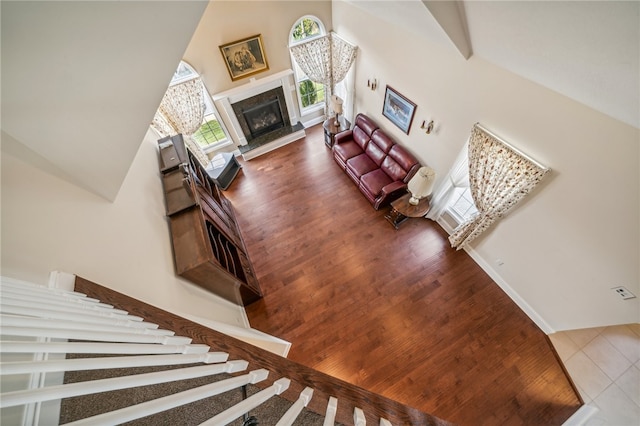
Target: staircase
<point>73,359</point>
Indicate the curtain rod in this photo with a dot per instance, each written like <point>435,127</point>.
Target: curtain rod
<point>516,150</point>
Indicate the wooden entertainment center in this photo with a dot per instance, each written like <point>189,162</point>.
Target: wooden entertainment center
<point>208,248</point>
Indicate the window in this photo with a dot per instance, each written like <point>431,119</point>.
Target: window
<point>461,205</point>
<point>212,134</point>
<point>310,95</point>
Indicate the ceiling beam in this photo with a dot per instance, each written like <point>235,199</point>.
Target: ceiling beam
<point>452,19</point>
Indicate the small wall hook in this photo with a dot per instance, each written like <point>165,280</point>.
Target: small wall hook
<point>428,128</point>
<point>372,84</point>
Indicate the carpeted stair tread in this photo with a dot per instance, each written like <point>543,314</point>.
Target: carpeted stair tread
<point>190,414</point>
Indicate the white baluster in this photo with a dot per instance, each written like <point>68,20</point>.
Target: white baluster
<point>294,411</point>
<point>45,294</point>
<point>171,401</point>
<point>99,348</point>
<point>86,309</point>
<point>10,399</point>
<point>99,336</point>
<point>248,404</point>
<point>97,317</point>
<point>15,321</point>
<point>101,363</point>
<point>330,415</point>
<point>358,417</point>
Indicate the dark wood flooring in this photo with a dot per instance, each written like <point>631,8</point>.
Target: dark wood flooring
<point>397,312</point>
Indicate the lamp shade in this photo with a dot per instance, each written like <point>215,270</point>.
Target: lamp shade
<point>336,104</point>
<point>421,184</point>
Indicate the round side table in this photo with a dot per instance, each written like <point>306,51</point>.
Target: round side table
<point>401,210</point>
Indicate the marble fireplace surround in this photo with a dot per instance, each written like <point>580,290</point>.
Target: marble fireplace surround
<point>293,130</point>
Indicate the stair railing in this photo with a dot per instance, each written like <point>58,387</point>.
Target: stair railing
<point>49,318</point>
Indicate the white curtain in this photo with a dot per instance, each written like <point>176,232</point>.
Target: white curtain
<point>346,89</point>
<point>182,111</point>
<point>499,177</point>
<point>458,177</point>
<point>325,60</point>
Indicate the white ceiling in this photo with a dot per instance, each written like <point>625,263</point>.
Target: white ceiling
<point>586,50</point>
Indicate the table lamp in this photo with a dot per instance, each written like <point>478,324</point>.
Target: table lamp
<point>421,184</point>
<point>336,106</point>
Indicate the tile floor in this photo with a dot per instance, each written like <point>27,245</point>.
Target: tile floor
<point>604,364</point>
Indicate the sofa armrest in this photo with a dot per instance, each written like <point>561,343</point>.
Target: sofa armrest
<point>393,187</point>
<point>345,136</point>
<point>389,193</point>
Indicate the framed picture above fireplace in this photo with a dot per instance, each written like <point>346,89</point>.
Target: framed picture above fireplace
<point>244,57</point>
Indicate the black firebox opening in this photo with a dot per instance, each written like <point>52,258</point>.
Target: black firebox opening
<point>264,118</point>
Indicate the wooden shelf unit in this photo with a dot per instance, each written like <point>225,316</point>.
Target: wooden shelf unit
<point>207,243</point>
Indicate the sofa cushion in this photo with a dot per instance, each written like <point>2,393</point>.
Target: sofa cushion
<point>403,158</point>
<point>393,169</point>
<point>360,137</point>
<point>374,152</point>
<point>360,165</point>
<point>382,140</point>
<point>344,151</point>
<point>374,181</point>
<point>365,123</point>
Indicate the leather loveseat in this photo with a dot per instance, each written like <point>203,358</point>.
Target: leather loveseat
<point>379,166</point>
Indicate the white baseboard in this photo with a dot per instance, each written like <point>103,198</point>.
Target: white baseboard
<point>522,304</point>
<point>313,121</point>
<point>526,308</point>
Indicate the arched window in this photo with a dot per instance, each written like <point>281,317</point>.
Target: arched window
<point>212,134</point>
<point>310,94</point>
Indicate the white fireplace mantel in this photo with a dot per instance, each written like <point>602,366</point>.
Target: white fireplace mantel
<point>254,87</point>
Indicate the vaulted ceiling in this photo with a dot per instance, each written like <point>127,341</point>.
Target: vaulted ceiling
<point>586,50</point>
<point>62,80</point>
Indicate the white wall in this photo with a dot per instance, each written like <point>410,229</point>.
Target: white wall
<point>78,94</point>
<point>82,80</point>
<point>227,21</point>
<point>578,234</point>
<point>563,249</point>
<point>49,224</point>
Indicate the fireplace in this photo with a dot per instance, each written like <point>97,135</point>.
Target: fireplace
<point>263,118</point>
<point>262,114</point>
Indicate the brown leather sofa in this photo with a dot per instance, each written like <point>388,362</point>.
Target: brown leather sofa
<point>379,166</point>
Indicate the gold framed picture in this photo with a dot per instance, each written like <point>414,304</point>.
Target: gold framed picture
<point>245,57</point>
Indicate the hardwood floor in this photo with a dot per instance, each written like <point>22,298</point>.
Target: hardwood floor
<point>397,312</point>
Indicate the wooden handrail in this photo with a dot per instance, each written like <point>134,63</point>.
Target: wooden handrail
<point>349,396</point>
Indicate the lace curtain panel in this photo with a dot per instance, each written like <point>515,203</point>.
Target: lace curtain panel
<point>325,60</point>
<point>499,177</point>
<point>314,59</point>
<point>343,54</point>
<point>182,111</point>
